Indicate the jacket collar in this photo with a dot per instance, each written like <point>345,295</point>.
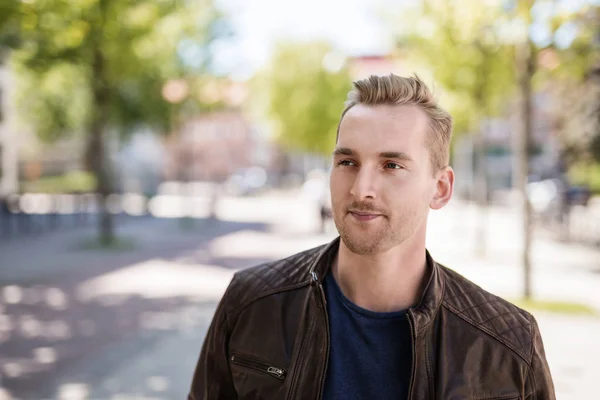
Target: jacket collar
<point>428,306</point>
<point>431,299</point>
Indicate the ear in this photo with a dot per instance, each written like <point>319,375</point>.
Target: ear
<point>444,188</point>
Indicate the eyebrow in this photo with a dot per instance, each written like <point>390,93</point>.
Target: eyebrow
<point>344,151</point>
<point>396,155</point>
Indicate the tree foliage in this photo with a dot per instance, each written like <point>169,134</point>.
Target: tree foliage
<point>306,85</point>
<point>9,26</point>
<point>464,43</point>
<point>137,43</point>
<point>91,66</point>
<point>469,45</point>
<point>570,67</point>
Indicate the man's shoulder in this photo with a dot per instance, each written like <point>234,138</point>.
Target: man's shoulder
<point>272,277</point>
<point>494,316</point>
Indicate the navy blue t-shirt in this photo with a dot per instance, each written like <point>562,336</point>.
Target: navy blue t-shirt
<point>370,355</point>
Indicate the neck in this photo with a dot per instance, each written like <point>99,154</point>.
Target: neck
<point>384,282</point>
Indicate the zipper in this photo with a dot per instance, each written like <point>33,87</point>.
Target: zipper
<point>270,370</point>
<point>323,376</point>
<point>414,355</point>
<point>309,331</point>
<point>294,377</point>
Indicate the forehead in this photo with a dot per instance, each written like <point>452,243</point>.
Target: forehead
<point>384,128</point>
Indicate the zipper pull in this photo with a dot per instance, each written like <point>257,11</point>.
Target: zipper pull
<point>276,371</point>
<point>315,278</point>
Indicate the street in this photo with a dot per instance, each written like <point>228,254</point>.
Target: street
<point>80,323</point>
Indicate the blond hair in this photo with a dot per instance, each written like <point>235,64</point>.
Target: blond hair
<point>398,90</point>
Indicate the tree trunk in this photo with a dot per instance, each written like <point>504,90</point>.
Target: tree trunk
<point>99,161</point>
<point>97,150</point>
<point>526,69</point>
<point>480,148</point>
<point>481,193</point>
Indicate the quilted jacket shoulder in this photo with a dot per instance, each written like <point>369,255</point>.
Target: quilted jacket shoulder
<point>497,317</point>
<point>250,284</point>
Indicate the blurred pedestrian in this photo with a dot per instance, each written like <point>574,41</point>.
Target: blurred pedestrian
<point>316,190</point>
<point>371,314</point>
<point>4,217</point>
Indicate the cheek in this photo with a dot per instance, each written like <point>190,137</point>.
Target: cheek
<point>409,192</point>
<point>339,186</point>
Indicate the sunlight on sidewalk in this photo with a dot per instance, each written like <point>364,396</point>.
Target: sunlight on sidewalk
<point>158,278</point>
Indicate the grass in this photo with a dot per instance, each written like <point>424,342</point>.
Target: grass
<point>558,307</point>
<point>74,181</point>
<point>117,244</point>
<point>584,174</point>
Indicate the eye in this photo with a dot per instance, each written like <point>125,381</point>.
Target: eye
<point>346,163</point>
<point>392,165</point>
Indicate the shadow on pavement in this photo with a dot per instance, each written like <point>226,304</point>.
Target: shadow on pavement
<point>57,337</point>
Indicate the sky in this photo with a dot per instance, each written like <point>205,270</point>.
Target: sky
<point>351,25</point>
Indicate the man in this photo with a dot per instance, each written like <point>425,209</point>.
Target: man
<point>372,315</point>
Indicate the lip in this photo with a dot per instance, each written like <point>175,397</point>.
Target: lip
<point>363,216</point>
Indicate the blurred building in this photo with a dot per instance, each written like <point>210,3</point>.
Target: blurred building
<point>213,146</point>
<point>8,144</point>
<point>383,64</point>
<point>362,66</point>
<point>500,134</point>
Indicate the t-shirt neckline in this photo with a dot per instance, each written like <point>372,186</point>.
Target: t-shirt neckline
<point>353,307</point>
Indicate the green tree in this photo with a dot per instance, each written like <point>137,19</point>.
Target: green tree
<point>550,61</point>
<point>464,44</point>
<point>9,27</point>
<point>306,85</point>
<point>525,63</point>
<point>9,32</point>
<point>570,65</point>
<point>92,66</point>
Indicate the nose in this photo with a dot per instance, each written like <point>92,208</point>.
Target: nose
<point>365,185</point>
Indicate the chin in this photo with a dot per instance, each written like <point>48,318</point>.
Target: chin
<point>357,244</point>
<point>358,241</point>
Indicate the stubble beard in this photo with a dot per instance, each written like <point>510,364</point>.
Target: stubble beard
<point>369,242</point>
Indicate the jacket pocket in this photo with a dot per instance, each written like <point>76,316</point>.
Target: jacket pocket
<point>265,368</point>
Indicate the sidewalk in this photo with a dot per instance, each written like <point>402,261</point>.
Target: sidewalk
<point>67,255</point>
<point>63,307</point>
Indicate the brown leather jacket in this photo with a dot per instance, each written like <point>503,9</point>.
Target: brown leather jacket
<point>269,338</point>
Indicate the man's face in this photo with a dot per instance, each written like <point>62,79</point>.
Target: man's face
<point>382,184</point>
